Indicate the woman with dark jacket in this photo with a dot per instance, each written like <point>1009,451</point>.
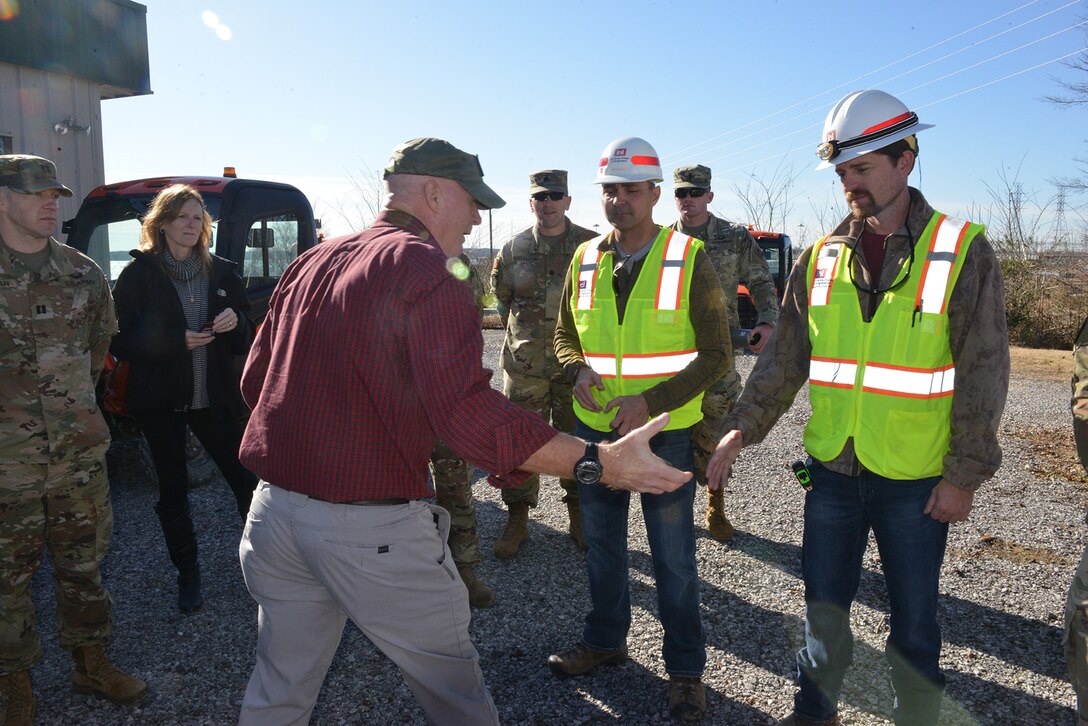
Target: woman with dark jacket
<point>182,314</point>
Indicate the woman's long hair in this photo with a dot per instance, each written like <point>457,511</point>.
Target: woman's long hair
<point>165,209</point>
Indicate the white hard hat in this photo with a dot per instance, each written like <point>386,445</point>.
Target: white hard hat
<point>628,159</point>
<point>865,121</point>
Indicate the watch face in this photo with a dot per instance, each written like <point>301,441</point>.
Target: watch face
<point>588,471</point>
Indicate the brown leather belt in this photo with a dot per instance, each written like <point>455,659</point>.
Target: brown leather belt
<point>379,502</point>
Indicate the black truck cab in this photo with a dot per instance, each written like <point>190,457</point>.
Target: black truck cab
<point>262,226</point>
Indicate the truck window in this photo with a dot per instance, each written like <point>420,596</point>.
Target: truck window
<point>271,245</point>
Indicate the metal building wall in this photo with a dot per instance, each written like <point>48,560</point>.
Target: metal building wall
<point>32,103</point>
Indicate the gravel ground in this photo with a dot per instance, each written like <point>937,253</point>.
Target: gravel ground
<point>1003,589</point>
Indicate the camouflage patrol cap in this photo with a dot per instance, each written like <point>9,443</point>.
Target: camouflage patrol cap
<point>548,180</point>
<point>429,156</point>
<point>30,174</point>
<point>693,176</point>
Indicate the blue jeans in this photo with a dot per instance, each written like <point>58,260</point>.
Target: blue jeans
<point>670,528</point>
<point>839,512</point>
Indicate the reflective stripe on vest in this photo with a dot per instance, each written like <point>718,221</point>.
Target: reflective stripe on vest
<point>655,342</point>
<point>587,275</point>
<point>641,366</point>
<point>883,379</point>
<point>937,271</point>
<point>909,382</point>
<point>831,372</point>
<point>670,283</point>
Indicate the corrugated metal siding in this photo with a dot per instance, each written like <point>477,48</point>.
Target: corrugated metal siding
<point>104,41</point>
<point>31,102</point>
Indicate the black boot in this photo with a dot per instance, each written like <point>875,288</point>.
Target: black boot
<point>177,528</point>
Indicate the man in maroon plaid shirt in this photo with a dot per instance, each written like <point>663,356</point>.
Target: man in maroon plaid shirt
<point>370,350</point>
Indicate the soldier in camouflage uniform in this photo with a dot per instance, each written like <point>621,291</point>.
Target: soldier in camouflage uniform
<point>527,278</point>
<point>736,257</point>
<point>453,477</point>
<point>1076,604</point>
<point>56,321</point>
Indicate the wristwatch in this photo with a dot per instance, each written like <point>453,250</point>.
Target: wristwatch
<point>588,469</point>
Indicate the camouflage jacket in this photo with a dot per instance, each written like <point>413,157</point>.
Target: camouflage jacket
<point>977,336</point>
<point>1080,394</point>
<point>737,258</point>
<point>527,277</point>
<point>55,329</point>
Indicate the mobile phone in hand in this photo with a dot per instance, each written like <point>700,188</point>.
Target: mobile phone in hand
<point>208,328</point>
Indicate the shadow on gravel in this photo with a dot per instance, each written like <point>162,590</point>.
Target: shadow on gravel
<point>1023,642</point>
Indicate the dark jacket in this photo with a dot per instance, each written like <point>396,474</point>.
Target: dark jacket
<point>152,336</point>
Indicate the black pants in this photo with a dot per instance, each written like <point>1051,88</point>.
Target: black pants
<point>218,432</point>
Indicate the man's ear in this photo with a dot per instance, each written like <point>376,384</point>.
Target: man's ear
<point>432,194</point>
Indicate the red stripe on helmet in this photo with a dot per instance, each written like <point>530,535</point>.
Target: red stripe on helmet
<point>645,160</point>
<point>889,122</point>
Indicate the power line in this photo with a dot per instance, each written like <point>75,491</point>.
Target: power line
<point>866,75</point>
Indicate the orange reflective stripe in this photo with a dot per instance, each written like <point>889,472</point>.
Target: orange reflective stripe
<point>909,382</point>
<point>587,277</point>
<point>652,366</point>
<point>940,261</point>
<point>603,365</point>
<point>832,372</point>
<point>670,281</point>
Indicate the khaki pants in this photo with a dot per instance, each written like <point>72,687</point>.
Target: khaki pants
<point>310,565</point>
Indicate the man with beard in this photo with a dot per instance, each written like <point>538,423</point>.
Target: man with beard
<point>897,321</point>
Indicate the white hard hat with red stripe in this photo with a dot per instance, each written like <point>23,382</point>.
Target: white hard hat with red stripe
<point>865,121</point>
<point>628,159</point>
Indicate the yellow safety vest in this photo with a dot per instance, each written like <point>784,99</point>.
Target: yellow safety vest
<point>887,383</point>
<point>656,340</point>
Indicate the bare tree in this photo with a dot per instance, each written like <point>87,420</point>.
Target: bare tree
<point>364,199</point>
<point>1019,229</point>
<point>767,201</point>
<point>1076,97</point>
<point>828,212</point>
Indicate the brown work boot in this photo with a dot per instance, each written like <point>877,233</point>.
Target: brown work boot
<point>18,698</point>
<point>580,659</point>
<point>95,675</point>
<point>687,699</point>
<point>716,521</point>
<point>516,532</point>
<point>480,594</point>
<point>794,720</point>
<point>574,511</point>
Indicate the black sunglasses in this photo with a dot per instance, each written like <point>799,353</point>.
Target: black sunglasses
<point>554,196</point>
<point>693,193</point>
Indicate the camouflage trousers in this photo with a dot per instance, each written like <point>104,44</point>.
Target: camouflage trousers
<point>717,404</point>
<point>453,490</point>
<point>1076,634</point>
<point>64,507</point>
<point>551,398</point>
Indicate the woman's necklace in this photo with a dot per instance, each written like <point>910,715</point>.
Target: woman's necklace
<point>192,297</point>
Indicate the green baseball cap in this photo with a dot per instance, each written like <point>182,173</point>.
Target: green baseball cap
<point>692,176</point>
<point>548,180</point>
<point>30,174</point>
<point>429,156</point>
